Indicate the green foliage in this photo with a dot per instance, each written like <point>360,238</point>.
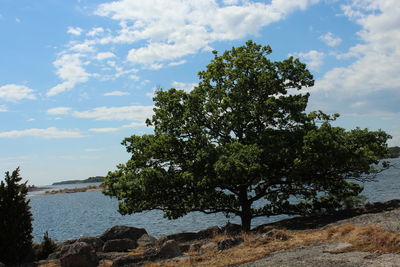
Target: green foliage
<point>45,248</point>
<point>241,143</point>
<point>15,220</point>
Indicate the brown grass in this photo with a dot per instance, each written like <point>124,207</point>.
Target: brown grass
<point>361,238</point>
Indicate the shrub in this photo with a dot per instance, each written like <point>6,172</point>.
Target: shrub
<point>44,249</point>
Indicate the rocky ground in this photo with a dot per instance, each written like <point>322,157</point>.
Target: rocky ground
<point>343,239</point>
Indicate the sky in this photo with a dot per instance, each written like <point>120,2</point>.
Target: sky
<point>78,76</point>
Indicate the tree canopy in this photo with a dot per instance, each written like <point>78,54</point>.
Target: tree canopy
<point>242,143</point>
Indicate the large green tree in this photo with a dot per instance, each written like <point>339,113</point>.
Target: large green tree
<point>15,220</point>
<point>241,143</point>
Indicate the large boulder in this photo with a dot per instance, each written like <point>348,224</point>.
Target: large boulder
<point>121,232</point>
<point>119,245</point>
<point>169,249</point>
<point>78,254</point>
<point>146,241</point>
<point>134,260</point>
<point>95,242</point>
<point>209,232</point>
<point>180,237</point>
<point>232,229</point>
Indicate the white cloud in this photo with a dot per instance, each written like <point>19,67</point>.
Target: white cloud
<point>15,92</point>
<point>313,58</point>
<point>103,130</point>
<point>176,63</point>
<point>3,108</point>
<point>183,86</point>
<point>173,29</point>
<point>116,93</point>
<point>330,39</point>
<point>74,31</point>
<point>134,125</point>
<point>377,57</point>
<point>95,31</point>
<point>59,111</point>
<point>70,70</point>
<point>49,133</point>
<point>84,47</point>
<point>104,55</point>
<point>134,113</point>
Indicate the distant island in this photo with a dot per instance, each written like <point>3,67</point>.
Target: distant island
<point>95,179</point>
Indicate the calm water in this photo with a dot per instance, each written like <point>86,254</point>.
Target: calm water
<point>67,216</point>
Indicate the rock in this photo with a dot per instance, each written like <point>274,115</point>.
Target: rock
<point>195,246</point>
<point>78,254</point>
<point>127,260</point>
<point>146,241</point>
<point>229,243</point>
<point>182,237</point>
<point>2,264</point>
<point>119,245</point>
<point>232,229</point>
<point>208,246</point>
<point>121,232</point>
<point>95,242</point>
<point>110,255</point>
<point>170,249</point>
<point>209,232</point>
<point>54,255</point>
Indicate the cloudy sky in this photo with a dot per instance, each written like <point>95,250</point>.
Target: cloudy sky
<point>78,76</point>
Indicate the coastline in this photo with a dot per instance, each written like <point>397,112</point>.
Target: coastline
<point>338,239</point>
<point>73,190</point>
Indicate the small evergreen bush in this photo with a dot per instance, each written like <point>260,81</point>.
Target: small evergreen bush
<point>44,249</point>
<point>15,220</point>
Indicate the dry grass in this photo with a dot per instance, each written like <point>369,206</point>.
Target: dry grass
<point>255,246</point>
<point>362,238</point>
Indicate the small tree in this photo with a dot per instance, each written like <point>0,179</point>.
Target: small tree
<point>241,143</point>
<point>45,248</point>
<point>15,220</point>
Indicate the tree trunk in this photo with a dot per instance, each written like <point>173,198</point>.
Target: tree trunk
<point>245,215</point>
<point>246,222</point>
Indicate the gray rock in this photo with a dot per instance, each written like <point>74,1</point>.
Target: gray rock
<point>209,232</point>
<point>121,232</point>
<point>170,249</point>
<point>232,229</point>
<point>78,254</point>
<point>128,260</point>
<point>95,242</point>
<point>54,255</point>
<point>146,241</point>
<point>2,264</point>
<point>183,237</point>
<point>119,245</point>
<point>229,243</point>
<point>110,255</point>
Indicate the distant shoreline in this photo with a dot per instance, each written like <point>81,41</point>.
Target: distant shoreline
<point>73,190</point>
<point>95,179</point>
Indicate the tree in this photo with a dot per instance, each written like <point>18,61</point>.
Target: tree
<point>15,220</point>
<point>241,143</point>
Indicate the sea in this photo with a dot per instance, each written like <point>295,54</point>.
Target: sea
<point>70,216</point>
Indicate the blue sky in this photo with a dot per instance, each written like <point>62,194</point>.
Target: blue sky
<point>78,76</point>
